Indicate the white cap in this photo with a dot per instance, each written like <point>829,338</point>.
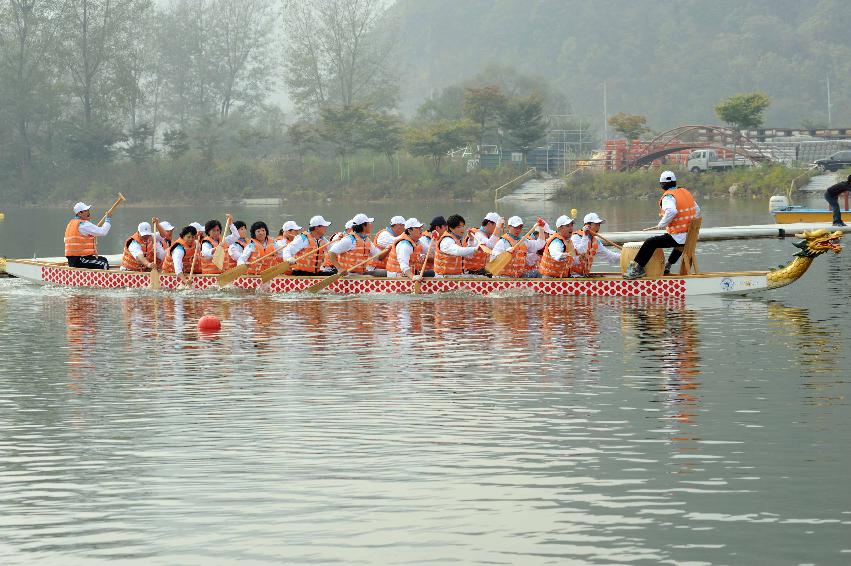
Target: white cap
<point>166,225</point>
<point>361,218</point>
<point>290,225</point>
<point>547,228</point>
<point>492,217</point>
<point>348,224</point>
<point>318,221</point>
<point>198,227</point>
<point>563,220</point>
<point>667,176</point>
<point>397,220</point>
<point>592,218</point>
<point>413,223</point>
<point>144,229</point>
<point>80,207</point>
<point>515,221</point>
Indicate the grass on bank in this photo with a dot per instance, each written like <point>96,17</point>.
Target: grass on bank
<point>753,182</point>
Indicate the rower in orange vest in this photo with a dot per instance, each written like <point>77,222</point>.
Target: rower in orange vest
<point>588,246</point>
<point>385,238</point>
<point>211,240</point>
<point>260,246</point>
<point>298,251</point>
<point>139,250</point>
<point>80,233</point>
<point>677,208</point>
<point>288,232</point>
<point>557,258</point>
<point>520,263</point>
<point>164,236</point>
<point>407,255</point>
<point>449,253</point>
<point>181,252</point>
<point>488,235</point>
<point>353,249</point>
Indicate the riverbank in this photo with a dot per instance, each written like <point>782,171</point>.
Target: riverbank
<point>753,182</point>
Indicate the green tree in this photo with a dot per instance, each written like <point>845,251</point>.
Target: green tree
<point>342,127</point>
<point>524,123</point>
<point>484,107</point>
<point>743,111</point>
<point>176,143</point>
<point>383,133</point>
<point>447,105</point>
<point>630,126</point>
<point>437,139</point>
<point>303,137</point>
<point>138,143</point>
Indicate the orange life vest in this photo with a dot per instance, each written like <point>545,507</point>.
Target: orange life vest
<point>207,265</point>
<point>188,253</point>
<point>416,261</point>
<point>517,265</point>
<point>326,262</point>
<point>77,244</point>
<point>549,266</point>
<point>445,264</point>
<point>686,210</point>
<point>585,261</point>
<point>381,263</point>
<point>129,262</point>
<point>261,250</point>
<point>166,244</point>
<point>310,262</point>
<point>358,254</point>
<point>478,260</point>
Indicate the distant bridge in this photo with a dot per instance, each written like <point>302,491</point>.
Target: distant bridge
<point>695,137</point>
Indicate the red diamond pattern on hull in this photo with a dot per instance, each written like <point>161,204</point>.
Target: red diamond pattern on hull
<point>582,287</point>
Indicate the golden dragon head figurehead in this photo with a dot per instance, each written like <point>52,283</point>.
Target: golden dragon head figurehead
<point>817,242</point>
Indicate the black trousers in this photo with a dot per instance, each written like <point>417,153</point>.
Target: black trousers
<point>652,244</point>
<point>833,202</point>
<point>320,274</point>
<point>88,261</point>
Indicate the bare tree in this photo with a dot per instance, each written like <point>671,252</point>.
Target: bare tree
<point>339,52</point>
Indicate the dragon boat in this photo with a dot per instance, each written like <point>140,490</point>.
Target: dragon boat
<point>811,245</point>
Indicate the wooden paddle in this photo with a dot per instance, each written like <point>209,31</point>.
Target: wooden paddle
<point>286,267</point>
<point>156,281</point>
<point>495,266</point>
<point>316,287</point>
<point>219,254</point>
<point>235,273</point>
<point>418,282</point>
<point>192,265</point>
<point>111,208</point>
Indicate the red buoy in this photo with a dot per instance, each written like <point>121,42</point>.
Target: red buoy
<point>209,323</point>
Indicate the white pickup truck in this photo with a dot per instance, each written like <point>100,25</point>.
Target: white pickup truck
<point>701,160</point>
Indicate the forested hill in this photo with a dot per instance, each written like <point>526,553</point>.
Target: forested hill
<point>670,61</point>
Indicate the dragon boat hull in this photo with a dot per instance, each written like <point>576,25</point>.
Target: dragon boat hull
<point>604,285</point>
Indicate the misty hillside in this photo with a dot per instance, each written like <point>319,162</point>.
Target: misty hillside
<point>670,61</point>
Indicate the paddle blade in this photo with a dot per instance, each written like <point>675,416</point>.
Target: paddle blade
<point>316,287</point>
<point>232,275</point>
<point>280,269</point>
<point>219,257</point>
<point>496,266</point>
<point>156,282</point>
<point>417,287</point>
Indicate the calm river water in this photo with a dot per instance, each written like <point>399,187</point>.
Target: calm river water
<point>414,430</point>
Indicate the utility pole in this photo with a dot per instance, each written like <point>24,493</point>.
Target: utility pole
<point>829,122</point>
<point>605,117</point>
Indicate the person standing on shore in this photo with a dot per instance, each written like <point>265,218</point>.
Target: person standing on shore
<point>831,195</point>
<point>80,246</point>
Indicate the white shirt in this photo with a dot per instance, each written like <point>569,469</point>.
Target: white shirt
<point>669,210</point>
<point>449,246</point>
<point>580,243</point>
<point>532,247</point>
<point>404,251</point>
<point>385,239</point>
<point>483,238</point>
<point>177,257</point>
<point>86,228</point>
<point>558,251</point>
<point>136,250</point>
<point>208,249</point>
<point>247,251</point>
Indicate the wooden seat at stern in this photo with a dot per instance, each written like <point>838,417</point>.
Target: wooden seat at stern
<point>688,263</point>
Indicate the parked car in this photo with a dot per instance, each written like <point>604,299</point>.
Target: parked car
<point>837,161</point>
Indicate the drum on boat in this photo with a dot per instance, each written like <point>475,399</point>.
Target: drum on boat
<point>654,268</point>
